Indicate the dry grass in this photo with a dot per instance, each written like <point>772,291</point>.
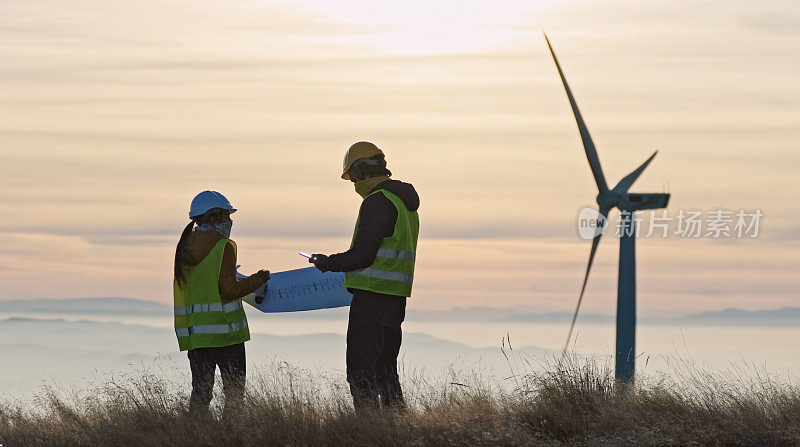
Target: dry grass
<point>567,403</point>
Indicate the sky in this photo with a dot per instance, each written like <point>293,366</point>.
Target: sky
<point>115,114</point>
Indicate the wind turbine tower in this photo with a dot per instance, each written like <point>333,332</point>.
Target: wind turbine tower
<point>628,203</point>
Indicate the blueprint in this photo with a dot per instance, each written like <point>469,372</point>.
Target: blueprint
<point>302,289</point>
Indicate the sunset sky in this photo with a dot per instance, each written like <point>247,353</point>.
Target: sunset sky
<point>115,114</point>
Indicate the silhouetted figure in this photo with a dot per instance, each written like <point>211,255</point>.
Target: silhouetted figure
<point>210,322</point>
<point>379,270</point>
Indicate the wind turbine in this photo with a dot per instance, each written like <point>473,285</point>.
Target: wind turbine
<point>628,203</point>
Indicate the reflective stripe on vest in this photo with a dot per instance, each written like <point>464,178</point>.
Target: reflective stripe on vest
<point>383,274</point>
<point>211,329</point>
<point>397,254</point>
<point>208,307</point>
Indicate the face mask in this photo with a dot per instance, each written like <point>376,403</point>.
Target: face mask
<point>223,228</point>
<point>364,187</point>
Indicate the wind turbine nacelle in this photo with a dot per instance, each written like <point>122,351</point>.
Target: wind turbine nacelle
<point>645,201</point>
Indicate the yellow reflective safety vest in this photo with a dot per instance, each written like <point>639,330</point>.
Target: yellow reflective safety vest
<point>392,272</point>
<point>202,320</point>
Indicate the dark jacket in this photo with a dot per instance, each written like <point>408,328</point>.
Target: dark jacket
<point>378,218</point>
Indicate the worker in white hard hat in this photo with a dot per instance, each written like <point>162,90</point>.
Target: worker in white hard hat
<point>379,270</point>
<point>210,322</point>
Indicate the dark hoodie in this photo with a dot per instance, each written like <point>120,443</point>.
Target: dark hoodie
<point>378,218</point>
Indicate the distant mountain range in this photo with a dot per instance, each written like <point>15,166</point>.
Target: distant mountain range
<point>786,316</point>
<point>84,306</point>
<point>37,351</point>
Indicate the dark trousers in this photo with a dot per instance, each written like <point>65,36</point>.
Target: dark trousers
<point>374,336</point>
<point>232,366</point>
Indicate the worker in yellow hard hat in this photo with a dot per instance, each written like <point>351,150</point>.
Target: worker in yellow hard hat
<point>379,270</point>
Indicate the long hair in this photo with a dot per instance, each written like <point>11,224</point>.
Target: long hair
<point>180,276</point>
<point>212,216</point>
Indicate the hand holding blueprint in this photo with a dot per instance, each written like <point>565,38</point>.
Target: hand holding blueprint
<point>302,289</point>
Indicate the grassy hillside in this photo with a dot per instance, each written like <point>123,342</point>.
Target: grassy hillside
<point>572,403</point>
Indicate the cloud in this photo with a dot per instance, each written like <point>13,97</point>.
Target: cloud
<point>114,116</point>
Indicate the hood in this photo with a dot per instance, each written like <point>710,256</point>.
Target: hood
<point>405,191</point>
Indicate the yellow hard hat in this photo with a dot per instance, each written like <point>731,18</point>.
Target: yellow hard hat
<point>362,149</point>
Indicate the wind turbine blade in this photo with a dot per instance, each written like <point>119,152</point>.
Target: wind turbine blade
<point>628,180</point>
<point>595,242</point>
<point>588,144</point>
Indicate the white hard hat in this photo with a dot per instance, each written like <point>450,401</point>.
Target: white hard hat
<point>208,200</point>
